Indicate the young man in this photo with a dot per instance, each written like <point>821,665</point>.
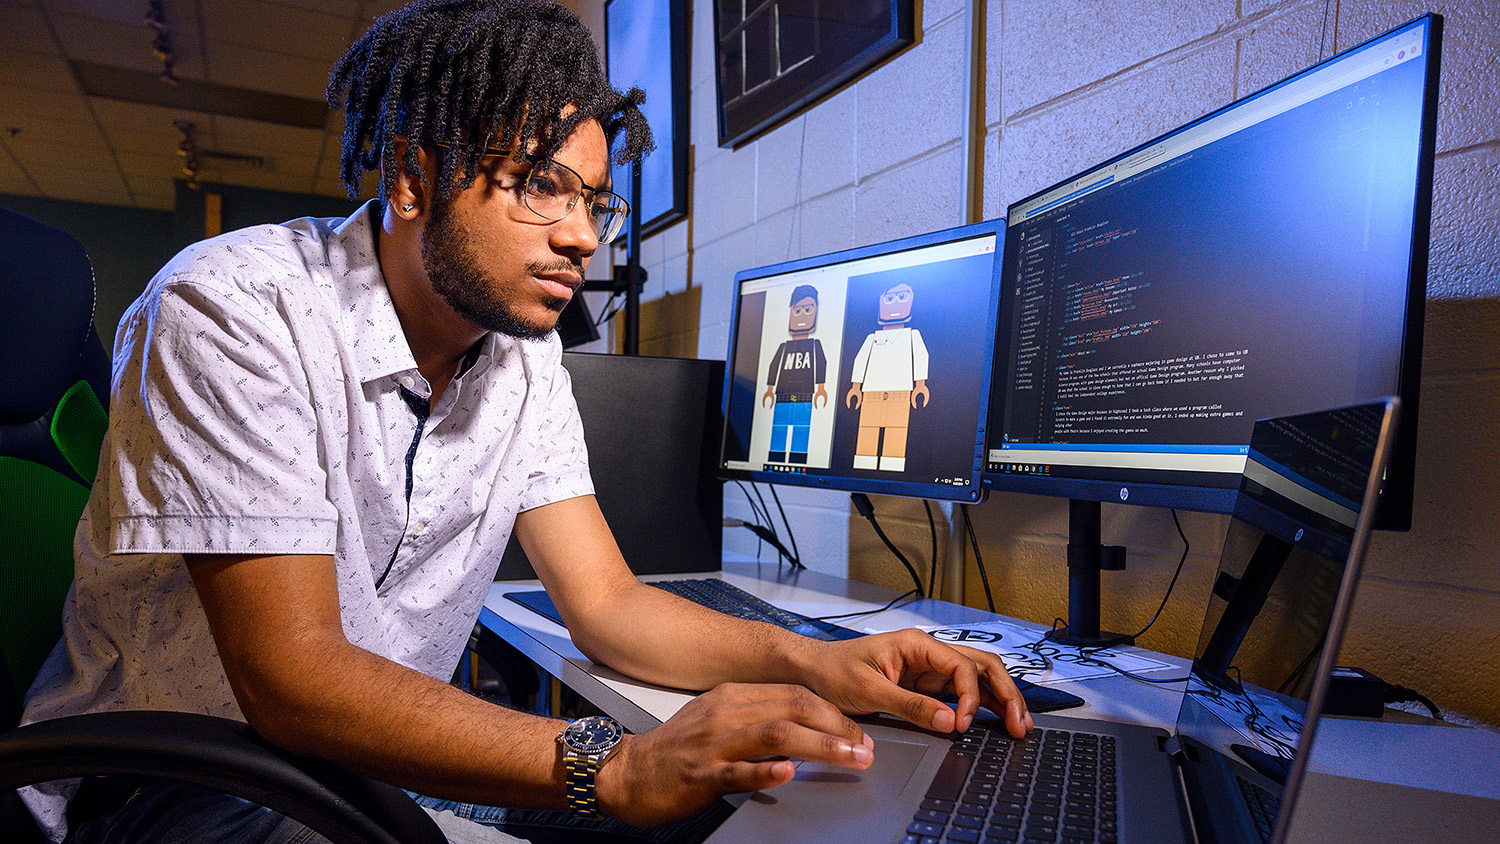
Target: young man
<point>324,432</point>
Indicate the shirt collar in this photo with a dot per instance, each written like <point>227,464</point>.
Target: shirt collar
<point>369,315</point>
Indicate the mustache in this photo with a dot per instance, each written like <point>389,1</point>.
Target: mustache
<point>561,265</point>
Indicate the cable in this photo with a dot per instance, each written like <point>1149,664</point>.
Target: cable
<point>751,501</point>
<point>790,535</point>
<point>1401,694</point>
<point>1170,586</point>
<point>932,569</point>
<point>866,509</point>
<point>984,575</point>
<point>767,535</point>
<point>910,593</point>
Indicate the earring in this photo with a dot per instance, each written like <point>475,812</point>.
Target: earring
<point>407,207</point>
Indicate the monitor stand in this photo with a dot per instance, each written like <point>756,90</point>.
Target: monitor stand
<point>1087,556</point>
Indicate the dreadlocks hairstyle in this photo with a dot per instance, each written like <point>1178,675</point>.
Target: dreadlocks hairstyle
<point>460,73</point>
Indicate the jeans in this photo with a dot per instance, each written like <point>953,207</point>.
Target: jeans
<point>168,812</point>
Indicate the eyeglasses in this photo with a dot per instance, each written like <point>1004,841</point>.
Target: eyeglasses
<point>552,189</point>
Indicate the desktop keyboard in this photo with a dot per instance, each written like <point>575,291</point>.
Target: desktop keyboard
<point>1051,786</point>
<point>731,600</point>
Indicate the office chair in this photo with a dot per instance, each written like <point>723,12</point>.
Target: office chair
<point>52,420</point>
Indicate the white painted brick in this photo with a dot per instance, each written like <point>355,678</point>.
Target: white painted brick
<point>703,117</point>
<point>704,56</point>
<point>1056,143</point>
<point>1051,49</point>
<point>828,152</point>
<point>1464,258</point>
<point>725,183</point>
<point>1454,528</point>
<point>713,337</point>
<point>913,103</point>
<point>1279,46</point>
<point>775,239</point>
<point>922,197</point>
<point>778,163</point>
<point>827,223</point>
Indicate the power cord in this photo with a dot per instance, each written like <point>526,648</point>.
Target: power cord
<point>984,575</point>
<point>910,593</point>
<point>790,534</point>
<point>763,527</point>
<point>932,566</point>
<point>865,508</point>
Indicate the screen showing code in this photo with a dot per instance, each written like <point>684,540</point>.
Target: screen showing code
<point>1263,274</point>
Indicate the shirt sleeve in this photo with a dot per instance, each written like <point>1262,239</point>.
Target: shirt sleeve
<point>561,467</point>
<point>212,444</point>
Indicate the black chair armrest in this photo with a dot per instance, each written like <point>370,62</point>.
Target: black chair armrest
<point>221,754</point>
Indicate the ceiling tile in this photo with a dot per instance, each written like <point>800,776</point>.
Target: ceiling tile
<point>121,12</point>
<point>279,28</point>
<point>56,180</point>
<point>120,45</point>
<point>262,70</point>
<point>22,105</point>
<point>23,28</point>
<point>234,134</point>
<point>48,71</point>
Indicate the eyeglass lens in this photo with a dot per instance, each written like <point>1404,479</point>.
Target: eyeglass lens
<point>553,189</point>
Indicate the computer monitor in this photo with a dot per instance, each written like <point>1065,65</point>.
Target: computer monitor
<point>866,370</point>
<point>1265,260</point>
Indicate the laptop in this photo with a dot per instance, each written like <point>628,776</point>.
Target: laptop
<point>1231,769</point>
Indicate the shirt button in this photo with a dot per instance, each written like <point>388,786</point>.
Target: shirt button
<point>407,382</point>
<point>418,529</point>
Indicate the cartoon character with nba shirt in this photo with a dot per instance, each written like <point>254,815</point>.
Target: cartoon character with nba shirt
<point>794,381</point>
<point>890,374</point>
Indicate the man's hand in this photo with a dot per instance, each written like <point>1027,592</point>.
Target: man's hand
<point>733,738</point>
<point>896,672</point>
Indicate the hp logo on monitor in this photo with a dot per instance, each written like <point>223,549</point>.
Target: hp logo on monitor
<point>1124,493</point>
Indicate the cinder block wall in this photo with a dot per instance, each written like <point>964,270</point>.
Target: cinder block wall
<point>1068,85</point>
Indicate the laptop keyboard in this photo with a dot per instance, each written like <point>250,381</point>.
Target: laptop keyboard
<point>1263,806</point>
<point>729,599</point>
<point>1051,786</point>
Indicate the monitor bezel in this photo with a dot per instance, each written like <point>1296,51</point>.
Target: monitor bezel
<point>1168,488</point>
<point>971,492</point>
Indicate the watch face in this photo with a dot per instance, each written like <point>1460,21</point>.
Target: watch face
<point>593,734</point>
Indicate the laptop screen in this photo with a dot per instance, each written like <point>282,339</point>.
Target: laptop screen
<point>1279,603</point>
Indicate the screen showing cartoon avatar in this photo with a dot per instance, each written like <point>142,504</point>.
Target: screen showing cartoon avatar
<point>871,367</point>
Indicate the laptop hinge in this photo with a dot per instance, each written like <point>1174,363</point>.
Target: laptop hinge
<point>1172,746</point>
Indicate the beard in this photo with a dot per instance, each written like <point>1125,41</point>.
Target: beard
<point>457,275</point>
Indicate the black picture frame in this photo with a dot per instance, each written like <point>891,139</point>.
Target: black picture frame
<point>775,58</point>
<point>637,33</point>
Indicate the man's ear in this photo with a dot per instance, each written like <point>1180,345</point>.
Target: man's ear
<point>410,194</point>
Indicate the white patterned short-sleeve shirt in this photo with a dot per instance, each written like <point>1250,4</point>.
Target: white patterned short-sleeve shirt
<point>264,402</point>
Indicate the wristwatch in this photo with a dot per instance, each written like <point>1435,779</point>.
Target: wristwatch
<point>586,745</point>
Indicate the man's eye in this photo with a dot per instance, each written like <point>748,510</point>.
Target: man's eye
<point>542,184</point>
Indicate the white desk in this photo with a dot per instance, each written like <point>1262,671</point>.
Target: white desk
<point>641,706</point>
<point>1421,782</point>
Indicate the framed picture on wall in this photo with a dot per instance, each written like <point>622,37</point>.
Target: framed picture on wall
<point>776,57</point>
<point>645,46</point>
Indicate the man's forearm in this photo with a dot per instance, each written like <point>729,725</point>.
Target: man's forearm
<point>652,635</point>
<point>381,719</point>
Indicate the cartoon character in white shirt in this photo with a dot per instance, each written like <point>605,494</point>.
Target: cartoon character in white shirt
<point>890,374</point>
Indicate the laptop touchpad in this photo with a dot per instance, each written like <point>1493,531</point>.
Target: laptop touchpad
<point>861,805</point>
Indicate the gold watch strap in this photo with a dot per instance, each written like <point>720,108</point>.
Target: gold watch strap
<point>578,779</point>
